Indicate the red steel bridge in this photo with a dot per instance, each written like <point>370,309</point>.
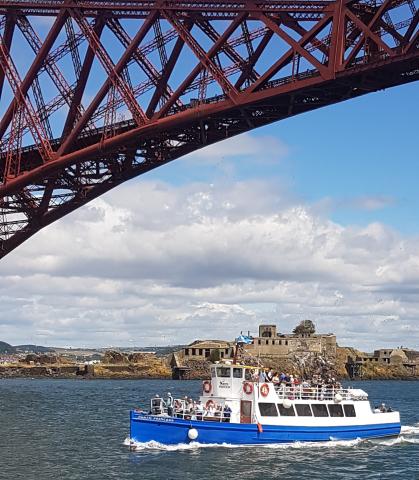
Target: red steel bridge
<point>96,92</point>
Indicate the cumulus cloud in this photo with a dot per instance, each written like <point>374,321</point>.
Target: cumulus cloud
<point>152,263</point>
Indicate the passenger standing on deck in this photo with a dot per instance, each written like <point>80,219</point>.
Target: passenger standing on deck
<point>262,376</point>
<point>169,404</point>
<point>226,413</point>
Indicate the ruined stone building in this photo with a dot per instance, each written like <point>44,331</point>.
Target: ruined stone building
<point>270,343</point>
<point>391,356</point>
<point>208,350</point>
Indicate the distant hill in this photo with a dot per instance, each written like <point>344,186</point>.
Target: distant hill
<point>33,349</point>
<point>160,351</point>
<point>6,348</point>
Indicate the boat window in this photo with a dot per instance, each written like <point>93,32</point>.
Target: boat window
<point>223,372</point>
<point>286,412</point>
<point>335,410</point>
<point>319,410</point>
<point>213,375</point>
<point>349,411</point>
<point>303,410</point>
<point>248,374</point>
<point>237,372</point>
<point>268,410</point>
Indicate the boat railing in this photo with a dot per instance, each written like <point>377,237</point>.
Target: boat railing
<point>205,417</point>
<point>182,409</point>
<point>301,392</point>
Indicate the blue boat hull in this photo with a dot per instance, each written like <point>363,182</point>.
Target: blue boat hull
<point>172,431</point>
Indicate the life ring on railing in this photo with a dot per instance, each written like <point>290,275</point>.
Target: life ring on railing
<point>206,386</point>
<point>264,390</point>
<point>247,388</point>
<point>210,404</point>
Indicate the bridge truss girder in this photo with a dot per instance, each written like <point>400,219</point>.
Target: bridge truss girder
<point>186,76</point>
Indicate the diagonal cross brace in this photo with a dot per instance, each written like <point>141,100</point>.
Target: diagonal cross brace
<point>203,57</point>
<point>191,77</point>
<point>113,75</point>
<point>142,32</point>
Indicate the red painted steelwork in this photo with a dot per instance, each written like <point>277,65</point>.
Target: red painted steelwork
<point>113,89</point>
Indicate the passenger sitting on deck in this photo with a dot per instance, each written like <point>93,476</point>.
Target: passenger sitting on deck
<point>383,408</point>
<point>220,410</point>
<point>226,413</point>
<point>210,412</point>
<point>178,408</point>
<point>189,411</point>
<point>199,410</point>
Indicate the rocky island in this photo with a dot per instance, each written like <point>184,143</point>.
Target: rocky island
<point>302,353</point>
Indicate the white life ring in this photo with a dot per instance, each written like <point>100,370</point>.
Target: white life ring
<point>247,388</point>
<point>207,386</point>
<point>264,390</point>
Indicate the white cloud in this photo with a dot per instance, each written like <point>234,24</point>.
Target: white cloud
<point>153,264</point>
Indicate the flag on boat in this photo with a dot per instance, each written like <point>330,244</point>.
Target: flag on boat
<point>244,339</point>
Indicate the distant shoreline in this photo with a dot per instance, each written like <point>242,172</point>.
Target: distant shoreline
<point>26,375</point>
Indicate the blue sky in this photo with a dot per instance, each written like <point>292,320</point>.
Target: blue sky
<point>345,153</point>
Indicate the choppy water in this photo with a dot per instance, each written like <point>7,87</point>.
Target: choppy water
<point>76,429</point>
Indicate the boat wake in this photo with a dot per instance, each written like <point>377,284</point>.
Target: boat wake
<point>410,430</point>
<point>409,434</point>
<point>137,447</point>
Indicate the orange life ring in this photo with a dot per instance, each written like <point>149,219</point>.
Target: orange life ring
<point>247,388</point>
<point>264,390</point>
<point>207,386</point>
<point>209,404</point>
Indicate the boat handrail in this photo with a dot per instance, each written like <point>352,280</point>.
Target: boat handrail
<point>203,417</point>
<point>180,409</point>
<point>301,392</point>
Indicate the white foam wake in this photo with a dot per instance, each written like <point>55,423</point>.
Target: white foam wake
<point>137,446</point>
<point>409,434</point>
<point>395,441</point>
<point>410,430</point>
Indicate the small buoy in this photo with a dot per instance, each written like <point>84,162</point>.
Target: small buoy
<point>287,403</point>
<point>338,398</point>
<point>192,434</point>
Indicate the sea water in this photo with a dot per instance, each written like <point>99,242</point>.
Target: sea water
<point>78,429</point>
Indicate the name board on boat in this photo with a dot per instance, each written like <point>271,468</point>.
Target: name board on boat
<point>223,384</point>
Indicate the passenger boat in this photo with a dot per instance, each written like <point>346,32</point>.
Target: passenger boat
<point>237,408</point>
